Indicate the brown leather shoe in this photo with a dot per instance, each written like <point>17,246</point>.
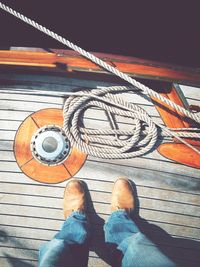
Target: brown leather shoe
<point>122,196</point>
<point>74,197</point>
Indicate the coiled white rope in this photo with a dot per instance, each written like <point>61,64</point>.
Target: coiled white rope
<point>118,107</point>
<point>114,143</point>
<point>96,144</point>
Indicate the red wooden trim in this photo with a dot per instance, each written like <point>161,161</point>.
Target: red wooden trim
<point>135,67</point>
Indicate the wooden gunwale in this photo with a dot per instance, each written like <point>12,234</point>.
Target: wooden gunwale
<point>71,61</point>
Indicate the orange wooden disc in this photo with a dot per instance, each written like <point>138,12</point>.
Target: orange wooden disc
<point>29,165</point>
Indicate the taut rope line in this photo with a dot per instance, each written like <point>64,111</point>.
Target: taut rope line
<point>118,106</point>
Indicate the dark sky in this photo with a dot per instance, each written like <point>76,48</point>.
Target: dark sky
<point>165,31</point>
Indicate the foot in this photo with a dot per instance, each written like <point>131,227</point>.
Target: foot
<point>122,196</point>
<point>74,197</point>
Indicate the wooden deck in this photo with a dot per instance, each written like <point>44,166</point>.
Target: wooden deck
<point>31,212</point>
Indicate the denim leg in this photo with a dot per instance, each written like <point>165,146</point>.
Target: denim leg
<point>118,227</point>
<point>137,250</point>
<point>67,244</point>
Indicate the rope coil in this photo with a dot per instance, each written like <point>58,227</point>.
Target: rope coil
<point>114,143</point>
<point>97,145</point>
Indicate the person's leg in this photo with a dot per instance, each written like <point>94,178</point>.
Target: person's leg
<point>122,233</point>
<point>69,246</point>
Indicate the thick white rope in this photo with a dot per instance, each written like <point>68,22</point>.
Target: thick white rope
<point>135,145</point>
<point>129,110</point>
<point>123,144</point>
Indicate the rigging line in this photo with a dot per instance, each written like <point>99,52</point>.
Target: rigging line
<point>111,69</point>
<point>99,62</point>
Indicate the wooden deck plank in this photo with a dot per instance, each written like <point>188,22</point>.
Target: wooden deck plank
<point>145,175</point>
<point>190,92</point>
<point>29,212</point>
<point>152,177</point>
<point>16,102</point>
<point>9,115</point>
<point>6,145</point>
<point>168,192</point>
<point>18,184</point>
<point>8,261</point>
<point>156,204</point>
<point>174,218</point>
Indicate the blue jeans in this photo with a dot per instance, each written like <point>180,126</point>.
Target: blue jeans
<point>70,246</point>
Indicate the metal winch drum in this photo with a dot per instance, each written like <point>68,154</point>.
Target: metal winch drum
<point>49,145</point>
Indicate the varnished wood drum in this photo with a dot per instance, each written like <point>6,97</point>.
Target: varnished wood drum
<point>32,135</point>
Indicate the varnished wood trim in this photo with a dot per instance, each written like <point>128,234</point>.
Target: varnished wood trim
<point>72,62</point>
